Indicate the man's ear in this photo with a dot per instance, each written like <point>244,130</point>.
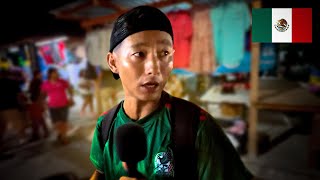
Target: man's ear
<point>111,60</point>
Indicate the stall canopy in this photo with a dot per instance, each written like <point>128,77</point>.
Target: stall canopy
<point>97,12</point>
<point>21,20</point>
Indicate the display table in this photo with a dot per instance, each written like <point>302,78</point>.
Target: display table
<point>212,98</point>
<point>286,96</point>
<point>274,94</point>
<point>281,95</point>
<point>214,95</point>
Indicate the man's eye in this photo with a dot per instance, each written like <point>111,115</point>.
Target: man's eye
<point>139,54</point>
<point>164,53</point>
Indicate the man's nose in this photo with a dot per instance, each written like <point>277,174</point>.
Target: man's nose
<point>152,65</point>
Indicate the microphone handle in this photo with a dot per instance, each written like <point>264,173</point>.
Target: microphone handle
<point>133,172</point>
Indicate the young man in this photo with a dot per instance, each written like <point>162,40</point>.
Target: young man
<point>141,55</point>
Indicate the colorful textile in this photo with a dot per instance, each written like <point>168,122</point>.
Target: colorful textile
<point>202,59</point>
<point>230,23</point>
<point>182,33</point>
<point>97,46</point>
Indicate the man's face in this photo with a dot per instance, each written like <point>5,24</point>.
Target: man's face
<point>144,62</point>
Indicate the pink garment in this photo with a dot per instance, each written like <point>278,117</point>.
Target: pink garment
<point>61,49</point>
<point>202,50</point>
<point>46,53</point>
<point>182,33</point>
<point>56,93</point>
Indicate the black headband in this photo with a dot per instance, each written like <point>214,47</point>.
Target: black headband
<point>138,19</point>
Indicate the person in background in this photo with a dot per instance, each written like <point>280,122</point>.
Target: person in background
<point>56,90</point>
<point>141,55</point>
<point>85,87</point>
<point>37,107</point>
<point>12,105</point>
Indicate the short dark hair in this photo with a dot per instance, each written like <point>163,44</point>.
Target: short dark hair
<point>50,71</point>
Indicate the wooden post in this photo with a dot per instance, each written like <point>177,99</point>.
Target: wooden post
<point>254,91</point>
<point>314,143</point>
<point>97,84</point>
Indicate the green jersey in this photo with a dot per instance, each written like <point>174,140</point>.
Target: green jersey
<point>217,158</point>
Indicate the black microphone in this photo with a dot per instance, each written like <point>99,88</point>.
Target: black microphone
<point>131,143</point>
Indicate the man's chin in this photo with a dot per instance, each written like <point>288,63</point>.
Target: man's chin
<point>155,96</point>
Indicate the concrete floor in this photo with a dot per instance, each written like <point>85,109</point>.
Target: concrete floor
<point>287,161</point>
<point>46,158</point>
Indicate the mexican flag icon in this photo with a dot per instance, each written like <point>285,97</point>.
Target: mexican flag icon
<point>282,25</point>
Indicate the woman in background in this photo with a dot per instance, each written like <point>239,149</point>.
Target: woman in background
<point>58,102</point>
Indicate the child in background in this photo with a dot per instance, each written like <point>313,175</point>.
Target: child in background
<point>36,109</point>
<point>86,92</point>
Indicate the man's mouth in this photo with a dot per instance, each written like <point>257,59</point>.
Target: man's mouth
<point>150,84</point>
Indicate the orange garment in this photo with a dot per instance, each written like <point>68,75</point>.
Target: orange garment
<point>202,51</point>
<point>182,31</point>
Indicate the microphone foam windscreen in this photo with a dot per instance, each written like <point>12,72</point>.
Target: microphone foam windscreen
<point>131,143</point>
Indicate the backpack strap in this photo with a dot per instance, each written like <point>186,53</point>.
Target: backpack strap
<point>107,122</point>
<point>184,118</point>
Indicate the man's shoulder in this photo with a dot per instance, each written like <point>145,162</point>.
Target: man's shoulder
<point>172,99</point>
<point>104,114</point>
<point>110,112</point>
<point>188,104</point>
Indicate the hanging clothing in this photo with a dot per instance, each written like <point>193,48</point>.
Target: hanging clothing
<point>230,22</point>
<point>105,35</point>
<point>31,55</point>
<point>243,67</point>
<point>267,61</point>
<point>202,59</point>
<point>74,69</point>
<point>61,49</point>
<point>92,47</point>
<point>59,53</point>
<point>182,31</point>
<point>46,54</point>
<point>97,45</point>
<point>53,53</point>
<point>267,57</point>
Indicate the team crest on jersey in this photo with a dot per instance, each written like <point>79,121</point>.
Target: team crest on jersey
<point>281,25</point>
<point>163,164</point>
